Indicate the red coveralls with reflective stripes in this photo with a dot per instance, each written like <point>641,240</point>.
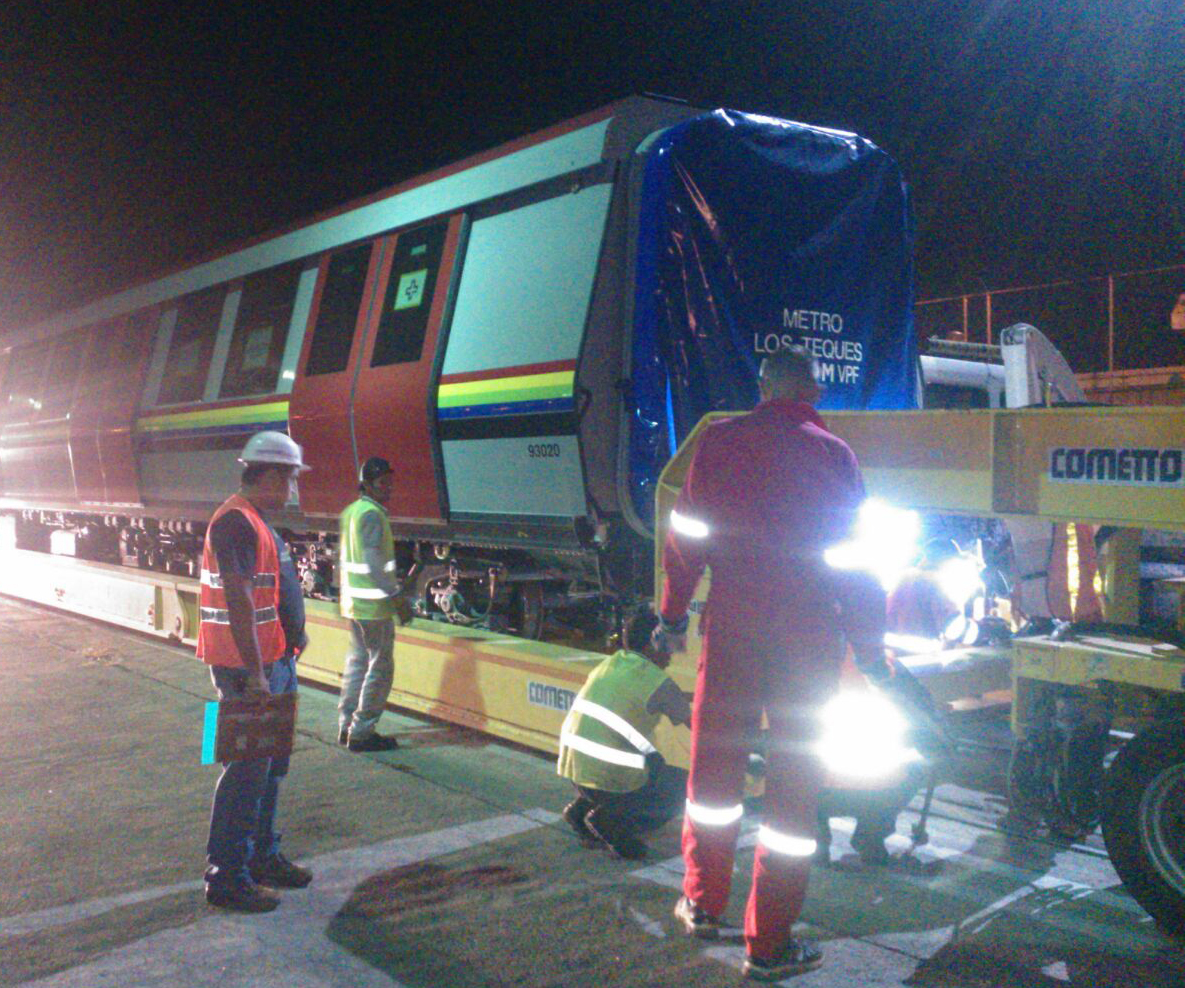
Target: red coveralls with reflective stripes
<point>774,488</point>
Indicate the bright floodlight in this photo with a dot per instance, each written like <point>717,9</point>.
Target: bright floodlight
<point>959,579</point>
<point>864,737</point>
<point>885,543</point>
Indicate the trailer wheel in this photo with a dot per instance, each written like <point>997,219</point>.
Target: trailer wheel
<point>1144,822</point>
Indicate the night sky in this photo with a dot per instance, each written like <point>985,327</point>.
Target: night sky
<point>1041,138</point>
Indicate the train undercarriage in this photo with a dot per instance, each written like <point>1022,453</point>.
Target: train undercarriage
<point>559,595</point>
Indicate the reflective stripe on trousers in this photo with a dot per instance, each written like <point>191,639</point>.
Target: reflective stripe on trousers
<point>788,844</point>
<point>713,816</point>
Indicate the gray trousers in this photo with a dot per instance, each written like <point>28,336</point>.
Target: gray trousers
<point>367,676</point>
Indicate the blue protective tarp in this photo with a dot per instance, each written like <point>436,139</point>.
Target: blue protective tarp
<point>753,234</point>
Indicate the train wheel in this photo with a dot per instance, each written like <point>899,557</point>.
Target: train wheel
<point>1144,822</point>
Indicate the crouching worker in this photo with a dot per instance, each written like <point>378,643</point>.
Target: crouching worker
<point>624,786</point>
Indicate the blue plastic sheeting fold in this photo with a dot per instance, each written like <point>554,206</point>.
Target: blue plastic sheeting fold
<point>754,234</point>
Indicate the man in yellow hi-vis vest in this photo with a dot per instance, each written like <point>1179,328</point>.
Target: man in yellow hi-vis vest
<point>607,750</point>
<point>370,599</point>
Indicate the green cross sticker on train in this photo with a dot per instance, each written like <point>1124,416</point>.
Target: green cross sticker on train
<point>411,289</point>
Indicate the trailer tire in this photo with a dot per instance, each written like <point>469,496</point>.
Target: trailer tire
<point>1144,822</point>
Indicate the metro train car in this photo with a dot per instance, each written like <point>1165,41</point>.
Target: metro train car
<point>526,335</point>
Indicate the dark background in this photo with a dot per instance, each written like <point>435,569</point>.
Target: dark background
<point>1042,139</point>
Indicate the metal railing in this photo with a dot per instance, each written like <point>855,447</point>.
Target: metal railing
<point>1117,322</point>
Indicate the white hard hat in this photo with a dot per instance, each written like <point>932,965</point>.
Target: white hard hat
<point>273,447</point>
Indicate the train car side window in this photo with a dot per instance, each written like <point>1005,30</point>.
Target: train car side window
<point>337,315</point>
<point>26,381</point>
<point>65,363</point>
<point>192,346</point>
<point>410,287</point>
<point>257,346</point>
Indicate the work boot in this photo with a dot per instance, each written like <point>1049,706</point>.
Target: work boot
<point>278,872</point>
<point>574,814</point>
<point>607,828</point>
<point>242,898</point>
<point>375,742</point>
<point>696,921</point>
<point>797,957</point>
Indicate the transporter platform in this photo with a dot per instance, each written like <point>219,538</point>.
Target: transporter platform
<point>445,863</point>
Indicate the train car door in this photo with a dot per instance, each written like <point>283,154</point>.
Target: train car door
<point>101,427</point>
<point>319,411</point>
<point>391,395</point>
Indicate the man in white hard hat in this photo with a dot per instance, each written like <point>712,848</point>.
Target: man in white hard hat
<point>252,627</point>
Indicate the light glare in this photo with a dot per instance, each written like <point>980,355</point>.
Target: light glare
<point>885,543</point>
<point>959,579</point>
<point>864,737</point>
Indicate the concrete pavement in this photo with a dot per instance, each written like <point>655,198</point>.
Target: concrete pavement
<point>444,863</point>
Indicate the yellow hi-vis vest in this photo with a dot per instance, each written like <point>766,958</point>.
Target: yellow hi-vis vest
<point>607,733</point>
<point>361,597</point>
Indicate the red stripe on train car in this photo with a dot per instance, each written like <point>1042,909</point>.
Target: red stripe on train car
<point>519,370</point>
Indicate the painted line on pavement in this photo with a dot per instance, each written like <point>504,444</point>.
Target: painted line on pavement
<point>21,924</point>
<point>286,947</point>
<point>326,867</point>
<point>897,954</point>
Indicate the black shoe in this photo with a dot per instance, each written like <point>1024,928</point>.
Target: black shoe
<point>343,736</point>
<point>696,922</point>
<point>574,814</point>
<point>607,829</point>
<point>797,957</point>
<point>242,898</point>
<point>278,872</point>
<point>375,742</point>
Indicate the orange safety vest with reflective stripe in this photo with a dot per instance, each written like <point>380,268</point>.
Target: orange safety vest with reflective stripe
<point>216,644</point>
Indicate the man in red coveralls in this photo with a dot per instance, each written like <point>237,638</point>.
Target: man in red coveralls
<point>765,495</point>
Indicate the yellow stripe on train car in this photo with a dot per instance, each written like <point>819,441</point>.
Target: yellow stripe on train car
<point>272,411</point>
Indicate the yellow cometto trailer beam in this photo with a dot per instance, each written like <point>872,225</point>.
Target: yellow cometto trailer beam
<point>1105,465</point>
<point>1115,466</point>
<point>504,686</point>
